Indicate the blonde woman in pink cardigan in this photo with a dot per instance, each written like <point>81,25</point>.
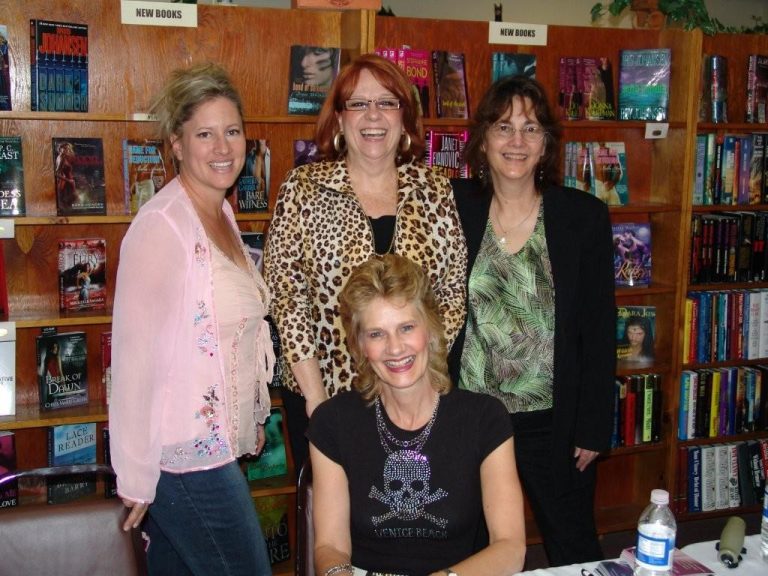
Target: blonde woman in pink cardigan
<point>192,354</point>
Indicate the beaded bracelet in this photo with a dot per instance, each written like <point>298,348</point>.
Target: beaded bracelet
<point>333,570</point>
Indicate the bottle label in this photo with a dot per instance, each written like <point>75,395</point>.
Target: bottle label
<point>654,551</point>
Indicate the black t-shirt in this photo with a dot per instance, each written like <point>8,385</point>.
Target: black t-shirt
<point>441,527</point>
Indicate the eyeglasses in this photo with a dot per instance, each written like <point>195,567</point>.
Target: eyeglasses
<point>361,104</point>
<point>531,133</point>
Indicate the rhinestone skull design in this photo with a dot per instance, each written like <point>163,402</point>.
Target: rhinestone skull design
<point>406,476</point>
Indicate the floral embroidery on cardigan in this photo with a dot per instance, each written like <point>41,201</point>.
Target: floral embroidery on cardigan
<point>213,443</point>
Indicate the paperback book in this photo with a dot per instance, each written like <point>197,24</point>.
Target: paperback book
<point>82,274</point>
<point>597,88</point>
<point>254,242</point>
<point>569,94</point>
<point>757,88</point>
<point>632,253</point>
<point>252,186</point>
<point>7,368</point>
<point>58,56</point>
<point>5,70</point>
<point>11,177</point>
<point>418,67</point>
<point>9,493</point>
<point>505,64</point>
<point>644,76</point>
<point>445,151</point>
<point>312,71</point>
<point>635,335</point>
<point>682,563</point>
<point>609,171</point>
<point>273,514</point>
<point>106,364</point>
<point>78,168</point>
<point>714,89</point>
<point>272,459</point>
<point>62,361</point>
<point>450,84</point>
<point>304,152</point>
<point>70,444</point>
<point>143,171</point>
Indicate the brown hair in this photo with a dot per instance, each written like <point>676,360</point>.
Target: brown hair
<point>495,104</point>
<point>396,279</point>
<point>391,77</point>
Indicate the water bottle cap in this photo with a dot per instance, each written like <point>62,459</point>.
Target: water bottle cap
<point>659,496</point>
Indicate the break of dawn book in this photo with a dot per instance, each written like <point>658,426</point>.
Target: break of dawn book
<point>82,274</point>
<point>78,168</point>
<point>11,177</point>
<point>70,444</point>
<point>62,369</point>
<point>644,76</point>
<point>449,75</point>
<point>632,253</point>
<point>58,57</point>
<point>252,186</point>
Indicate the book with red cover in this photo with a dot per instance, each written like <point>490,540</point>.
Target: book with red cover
<point>78,168</point>
<point>445,151</point>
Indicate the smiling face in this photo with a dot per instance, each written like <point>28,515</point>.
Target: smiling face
<point>514,160</point>
<point>395,339</point>
<point>373,134</point>
<point>211,147</point>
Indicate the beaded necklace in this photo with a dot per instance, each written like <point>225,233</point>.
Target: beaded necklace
<point>415,444</point>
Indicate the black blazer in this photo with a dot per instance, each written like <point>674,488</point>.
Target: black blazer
<point>579,242</point>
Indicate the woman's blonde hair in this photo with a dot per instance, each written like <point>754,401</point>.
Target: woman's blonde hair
<point>186,90</point>
<point>395,279</point>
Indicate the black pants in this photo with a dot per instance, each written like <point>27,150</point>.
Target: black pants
<point>566,520</point>
<point>297,421</point>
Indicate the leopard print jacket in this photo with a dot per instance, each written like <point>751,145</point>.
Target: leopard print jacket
<point>319,234</point>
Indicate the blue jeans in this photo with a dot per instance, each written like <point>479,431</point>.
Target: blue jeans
<point>204,524</point>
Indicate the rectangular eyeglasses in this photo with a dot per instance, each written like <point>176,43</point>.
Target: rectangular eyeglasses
<point>361,104</point>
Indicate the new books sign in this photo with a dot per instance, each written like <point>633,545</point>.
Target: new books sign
<point>158,14</point>
<point>518,34</point>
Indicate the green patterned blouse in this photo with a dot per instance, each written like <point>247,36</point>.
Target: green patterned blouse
<point>509,346</point>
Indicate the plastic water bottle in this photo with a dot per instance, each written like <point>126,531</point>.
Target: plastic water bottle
<point>656,531</point>
<point>764,526</point>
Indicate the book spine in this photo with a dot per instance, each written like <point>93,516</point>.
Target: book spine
<point>707,478</point>
<point>734,498</point>
<point>722,472</point>
<point>694,479</point>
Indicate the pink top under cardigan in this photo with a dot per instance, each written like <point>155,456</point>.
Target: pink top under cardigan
<point>174,342</point>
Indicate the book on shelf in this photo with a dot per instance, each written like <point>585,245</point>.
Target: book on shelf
<point>82,274</point>
<point>254,242</point>
<point>445,152</point>
<point>62,361</point>
<point>12,199</point>
<point>4,308</point>
<point>9,493</point>
<point>609,172</point>
<point>106,364</point>
<point>312,71</point>
<point>304,152</point>
<point>638,409</point>
<point>252,185</point>
<point>569,89</point>
<point>70,444</point>
<point>78,169</point>
<point>632,253</point>
<point>714,89</point>
<point>417,64</point>
<point>597,98</point>
<point>144,171</point>
<point>7,368</point>
<point>272,459</point>
<point>635,335</point>
<point>579,166</point>
<point>110,484</point>
<point>504,64</point>
<point>757,88</point>
<point>273,515</point>
<point>694,478</point>
<point>644,76</point>
<point>58,57</point>
<point>5,70</point>
<point>449,74</point>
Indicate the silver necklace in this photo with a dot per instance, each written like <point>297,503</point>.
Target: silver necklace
<point>415,444</point>
<point>503,239</point>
